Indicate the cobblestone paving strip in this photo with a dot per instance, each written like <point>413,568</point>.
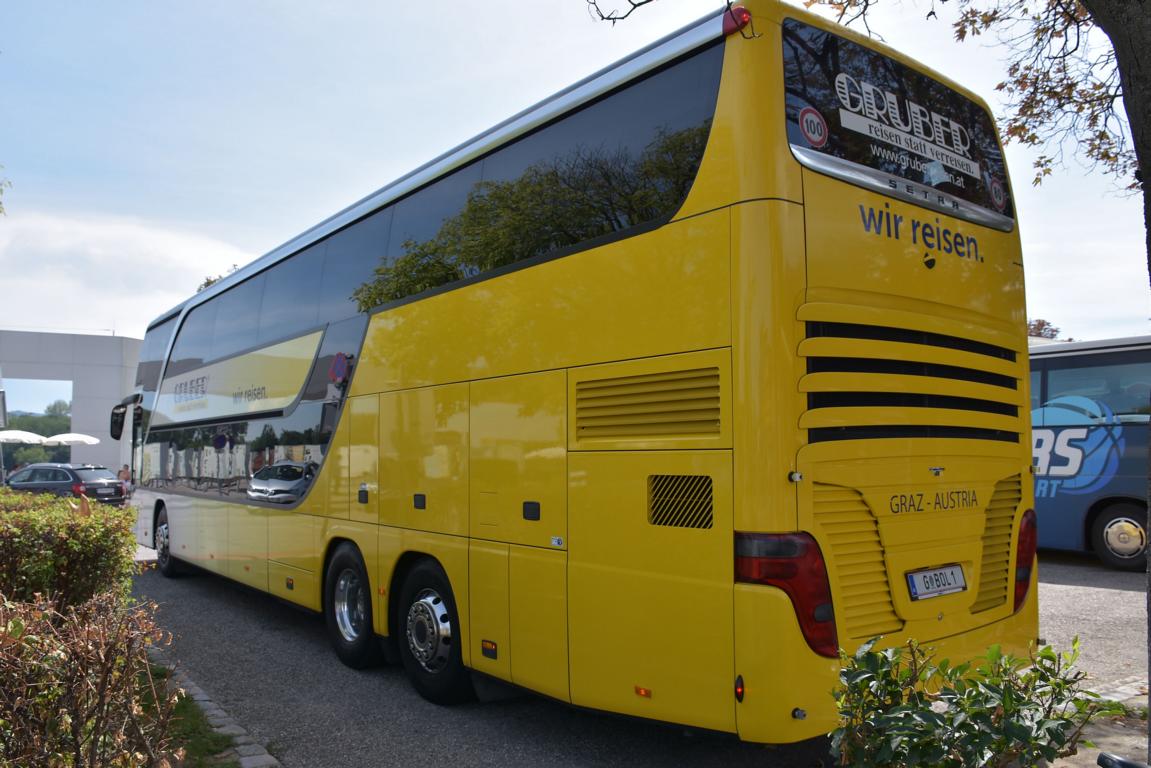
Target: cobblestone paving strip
<point>245,749</point>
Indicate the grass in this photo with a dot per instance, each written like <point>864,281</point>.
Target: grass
<point>191,731</point>
<point>201,744</point>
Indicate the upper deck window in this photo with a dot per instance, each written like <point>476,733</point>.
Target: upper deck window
<point>625,160</point>
<point>152,353</point>
<point>864,117</point>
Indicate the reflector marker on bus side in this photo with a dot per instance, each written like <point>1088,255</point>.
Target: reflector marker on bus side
<point>734,19</point>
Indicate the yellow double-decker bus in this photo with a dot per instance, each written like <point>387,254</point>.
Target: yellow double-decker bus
<point>648,399</point>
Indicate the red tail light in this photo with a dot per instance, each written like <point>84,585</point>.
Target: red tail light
<point>1025,556</point>
<point>793,563</point>
<point>735,18</point>
<point>78,489</point>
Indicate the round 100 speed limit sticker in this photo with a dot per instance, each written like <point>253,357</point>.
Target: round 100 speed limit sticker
<point>998,194</point>
<point>813,127</point>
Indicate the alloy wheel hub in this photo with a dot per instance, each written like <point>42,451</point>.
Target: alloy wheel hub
<point>429,631</point>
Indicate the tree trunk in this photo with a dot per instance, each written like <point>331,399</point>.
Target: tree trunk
<point>1128,25</point>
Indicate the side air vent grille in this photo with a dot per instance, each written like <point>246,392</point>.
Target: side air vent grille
<point>865,608</point>
<point>873,382</point>
<point>654,405</point>
<point>993,569</point>
<point>680,501</point>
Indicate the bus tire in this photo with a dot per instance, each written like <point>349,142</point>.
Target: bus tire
<point>428,635</point>
<point>348,608</point>
<point>1119,536</point>
<point>162,540</point>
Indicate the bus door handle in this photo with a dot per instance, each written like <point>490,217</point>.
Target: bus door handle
<point>362,497</point>
<point>531,510</point>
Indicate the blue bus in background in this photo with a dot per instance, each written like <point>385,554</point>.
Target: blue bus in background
<point>1090,405</point>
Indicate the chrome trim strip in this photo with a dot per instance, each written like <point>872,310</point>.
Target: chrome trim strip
<point>897,186</point>
<point>656,54</point>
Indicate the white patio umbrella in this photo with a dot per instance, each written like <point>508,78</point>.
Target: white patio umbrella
<point>19,437</point>
<point>71,438</point>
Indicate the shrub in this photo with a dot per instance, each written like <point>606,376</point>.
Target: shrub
<point>76,688</point>
<point>48,547</point>
<point>897,707</point>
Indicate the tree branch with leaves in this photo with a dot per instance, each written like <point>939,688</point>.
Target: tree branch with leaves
<point>209,281</point>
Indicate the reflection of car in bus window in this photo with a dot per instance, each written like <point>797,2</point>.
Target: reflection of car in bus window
<point>1090,406</point>
<point>283,482</point>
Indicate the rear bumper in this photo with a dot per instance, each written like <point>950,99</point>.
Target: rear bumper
<point>789,689</point>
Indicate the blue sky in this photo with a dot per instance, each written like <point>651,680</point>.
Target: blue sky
<point>150,144</point>
<point>34,395</point>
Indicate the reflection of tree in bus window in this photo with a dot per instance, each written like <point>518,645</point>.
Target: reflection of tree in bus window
<point>589,192</point>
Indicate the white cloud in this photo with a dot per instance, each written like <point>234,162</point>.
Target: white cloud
<point>90,273</point>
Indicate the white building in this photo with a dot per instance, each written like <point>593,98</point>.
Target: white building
<point>102,370</point>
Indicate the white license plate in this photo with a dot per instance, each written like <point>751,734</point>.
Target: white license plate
<point>933,582</point>
<point>105,491</point>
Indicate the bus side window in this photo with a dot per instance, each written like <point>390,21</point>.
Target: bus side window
<point>1036,390</point>
<point>1139,395</point>
<point>1120,384</point>
<point>288,307</point>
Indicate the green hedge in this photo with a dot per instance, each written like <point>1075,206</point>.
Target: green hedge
<point>50,548</point>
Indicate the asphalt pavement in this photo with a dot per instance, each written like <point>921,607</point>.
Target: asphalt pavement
<point>269,665</point>
<point>1106,609</point>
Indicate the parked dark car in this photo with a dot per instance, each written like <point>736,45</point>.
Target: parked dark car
<point>283,482</point>
<point>97,483</point>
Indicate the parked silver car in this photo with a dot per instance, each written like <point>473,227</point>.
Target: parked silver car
<point>283,482</point>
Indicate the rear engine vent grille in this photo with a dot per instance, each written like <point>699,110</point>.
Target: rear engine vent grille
<point>899,400</point>
<point>993,569</point>
<point>889,431</point>
<point>907,368</point>
<point>864,609</point>
<point>654,405</point>
<point>868,382</point>
<point>908,336</point>
<point>680,501</point>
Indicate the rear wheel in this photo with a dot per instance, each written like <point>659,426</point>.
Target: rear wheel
<point>348,608</point>
<point>162,540</point>
<point>1119,536</point>
<point>428,636</point>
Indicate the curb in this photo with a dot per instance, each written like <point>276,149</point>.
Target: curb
<point>245,749</point>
